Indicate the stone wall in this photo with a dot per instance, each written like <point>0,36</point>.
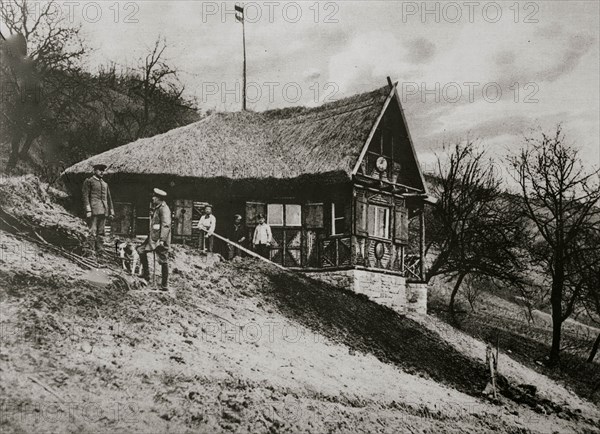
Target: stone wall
<point>416,297</point>
<point>387,289</point>
<point>341,278</point>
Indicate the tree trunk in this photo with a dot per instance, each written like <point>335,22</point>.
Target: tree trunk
<point>594,349</point>
<point>29,139</point>
<point>453,296</point>
<point>14,152</point>
<point>557,320</point>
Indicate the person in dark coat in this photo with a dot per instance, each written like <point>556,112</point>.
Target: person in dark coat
<point>98,206</point>
<point>159,238</point>
<point>238,234</point>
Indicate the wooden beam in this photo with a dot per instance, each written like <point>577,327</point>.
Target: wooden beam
<point>402,267</point>
<point>422,244</point>
<point>245,250</point>
<point>366,178</point>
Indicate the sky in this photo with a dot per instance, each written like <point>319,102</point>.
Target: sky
<point>494,72</point>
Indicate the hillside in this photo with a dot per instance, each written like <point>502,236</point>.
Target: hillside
<point>82,114</point>
<point>501,316</point>
<point>237,347</point>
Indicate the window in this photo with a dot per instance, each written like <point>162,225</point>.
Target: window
<point>338,219</point>
<point>253,210</point>
<point>293,214</point>
<point>284,215</point>
<point>379,221</point>
<point>313,215</point>
<point>275,214</point>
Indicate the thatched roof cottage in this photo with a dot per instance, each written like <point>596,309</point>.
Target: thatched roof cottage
<point>340,185</point>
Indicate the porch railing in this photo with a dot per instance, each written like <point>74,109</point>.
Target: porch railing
<point>412,266</point>
<point>335,252</point>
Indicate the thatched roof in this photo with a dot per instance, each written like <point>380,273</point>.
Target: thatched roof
<point>284,143</point>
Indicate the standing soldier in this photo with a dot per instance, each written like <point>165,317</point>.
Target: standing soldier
<point>159,238</point>
<point>98,206</point>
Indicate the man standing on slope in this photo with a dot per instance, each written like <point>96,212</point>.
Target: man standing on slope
<point>159,238</point>
<point>98,206</point>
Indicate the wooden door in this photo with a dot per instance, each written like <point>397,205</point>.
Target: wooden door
<point>122,224</point>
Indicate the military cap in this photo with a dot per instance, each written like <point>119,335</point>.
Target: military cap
<point>159,193</point>
<point>99,166</point>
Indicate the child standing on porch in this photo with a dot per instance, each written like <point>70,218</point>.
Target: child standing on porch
<point>262,237</point>
<point>207,225</point>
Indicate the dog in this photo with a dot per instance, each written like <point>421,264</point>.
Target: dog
<point>130,259</point>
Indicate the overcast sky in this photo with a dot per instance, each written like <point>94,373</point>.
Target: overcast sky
<point>452,60</point>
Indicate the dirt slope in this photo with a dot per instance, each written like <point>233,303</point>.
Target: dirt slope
<point>240,348</point>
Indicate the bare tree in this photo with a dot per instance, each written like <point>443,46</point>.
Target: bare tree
<point>474,229</point>
<point>154,75</point>
<point>560,198</point>
<point>40,80</point>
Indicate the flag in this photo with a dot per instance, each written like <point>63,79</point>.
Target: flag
<point>239,13</point>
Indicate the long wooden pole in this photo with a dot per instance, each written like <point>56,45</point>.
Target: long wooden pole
<point>244,43</point>
<point>245,250</point>
<point>422,244</point>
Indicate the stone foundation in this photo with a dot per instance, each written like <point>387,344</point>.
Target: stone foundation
<point>387,289</point>
<point>416,297</point>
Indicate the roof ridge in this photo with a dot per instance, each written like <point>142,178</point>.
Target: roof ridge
<point>307,117</point>
<point>311,111</point>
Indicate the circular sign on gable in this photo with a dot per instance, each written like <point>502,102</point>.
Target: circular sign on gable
<point>379,250</point>
<point>381,164</point>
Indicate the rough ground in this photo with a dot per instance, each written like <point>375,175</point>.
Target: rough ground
<point>238,348</point>
<point>498,317</point>
<point>241,347</point>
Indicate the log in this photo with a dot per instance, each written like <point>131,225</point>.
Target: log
<point>245,250</point>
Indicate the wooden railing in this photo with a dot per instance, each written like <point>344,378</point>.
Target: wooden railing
<point>335,252</point>
<point>412,267</point>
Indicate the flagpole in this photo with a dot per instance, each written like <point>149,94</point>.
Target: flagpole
<point>239,9</point>
<point>244,84</point>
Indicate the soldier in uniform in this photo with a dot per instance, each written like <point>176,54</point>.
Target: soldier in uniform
<point>159,238</point>
<point>98,206</point>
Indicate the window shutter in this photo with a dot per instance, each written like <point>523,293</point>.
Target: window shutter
<point>360,224</point>
<point>348,216</point>
<point>253,209</point>
<point>314,215</point>
<point>401,225</point>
